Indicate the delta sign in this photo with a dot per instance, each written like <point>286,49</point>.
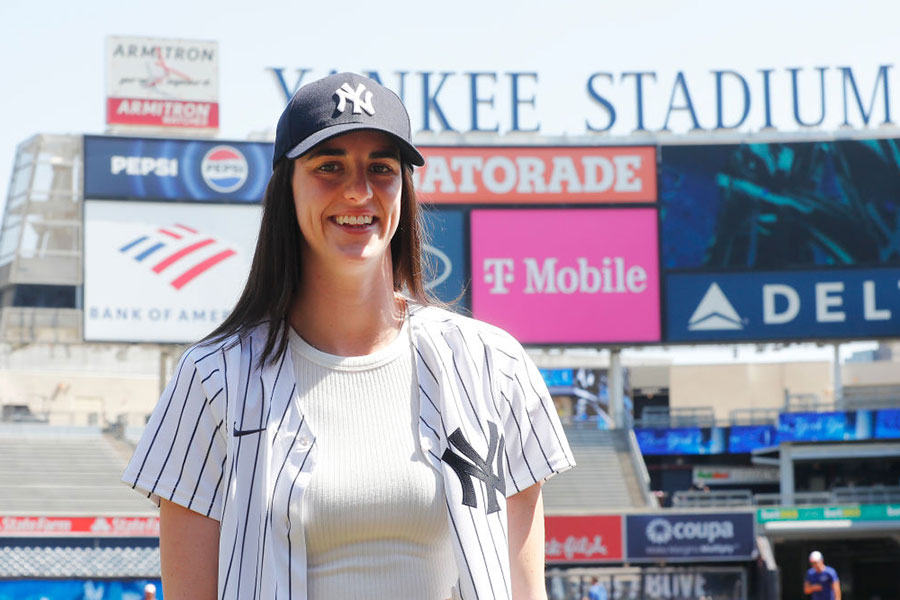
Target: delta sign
<point>820,304</point>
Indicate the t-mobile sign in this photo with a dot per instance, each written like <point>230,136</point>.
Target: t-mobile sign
<point>567,276</point>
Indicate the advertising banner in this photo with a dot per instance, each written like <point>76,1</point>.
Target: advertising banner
<point>559,378</point>
<point>791,427</point>
<point>567,276</point>
<point>822,304</point>
<point>162,83</point>
<point>673,583</point>
<point>887,423</point>
<point>163,272</point>
<point>182,170</point>
<point>588,391</point>
<point>583,539</point>
<point>77,589</point>
<point>680,440</point>
<point>824,426</point>
<point>724,475</point>
<point>690,537</point>
<point>746,438</point>
<point>647,583</point>
<point>52,526</point>
<point>447,272</point>
<point>859,512</point>
<point>523,175</point>
<point>769,207</point>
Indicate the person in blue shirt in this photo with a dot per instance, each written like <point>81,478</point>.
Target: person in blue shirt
<point>597,591</point>
<point>821,582</point>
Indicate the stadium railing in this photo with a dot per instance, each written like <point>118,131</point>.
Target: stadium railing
<point>686,416</point>
<point>717,498</point>
<point>876,494</point>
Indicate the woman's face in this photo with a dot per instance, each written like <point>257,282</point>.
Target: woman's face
<point>347,197</point>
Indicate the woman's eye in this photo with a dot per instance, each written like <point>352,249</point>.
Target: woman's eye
<point>328,167</point>
<point>382,169</point>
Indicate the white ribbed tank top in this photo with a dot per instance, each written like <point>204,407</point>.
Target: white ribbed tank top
<point>374,515</point>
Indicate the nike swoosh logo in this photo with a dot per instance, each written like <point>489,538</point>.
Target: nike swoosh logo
<point>240,432</point>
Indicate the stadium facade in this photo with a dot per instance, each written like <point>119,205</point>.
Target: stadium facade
<point>713,481</point>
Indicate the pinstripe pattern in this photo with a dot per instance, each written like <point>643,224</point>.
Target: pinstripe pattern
<point>198,449</point>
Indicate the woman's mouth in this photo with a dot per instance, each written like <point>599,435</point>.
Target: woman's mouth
<point>354,220</point>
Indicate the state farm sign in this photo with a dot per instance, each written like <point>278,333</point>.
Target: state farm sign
<point>567,276</point>
<point>578,539</point>
<point>537,175</point>
<point>52,526</point>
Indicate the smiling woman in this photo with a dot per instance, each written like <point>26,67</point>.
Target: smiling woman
<point>347,198</point>
<point>337,437</point>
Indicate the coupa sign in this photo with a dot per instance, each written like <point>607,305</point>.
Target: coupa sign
<point>567,276</point>
<point>684,537</point>
<point>840,303</point>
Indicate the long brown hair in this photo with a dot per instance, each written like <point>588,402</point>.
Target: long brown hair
<point>275,272</point>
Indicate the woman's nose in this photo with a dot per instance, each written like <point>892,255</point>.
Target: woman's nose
<point>358,186</point>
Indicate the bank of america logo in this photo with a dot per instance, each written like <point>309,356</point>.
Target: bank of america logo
<point>178,253</point>
<point>715,312</point>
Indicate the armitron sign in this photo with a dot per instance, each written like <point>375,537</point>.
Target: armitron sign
<point>172,84</point>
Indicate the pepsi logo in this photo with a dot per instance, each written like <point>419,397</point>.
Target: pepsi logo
<point>224,169</point>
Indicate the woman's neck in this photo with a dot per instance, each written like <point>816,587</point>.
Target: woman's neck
<point>350,315</point>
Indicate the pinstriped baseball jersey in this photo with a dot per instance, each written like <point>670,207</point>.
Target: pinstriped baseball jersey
<point>228,440</point>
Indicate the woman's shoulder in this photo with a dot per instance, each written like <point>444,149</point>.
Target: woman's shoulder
<point>209,350</point>
<point>440,320</point>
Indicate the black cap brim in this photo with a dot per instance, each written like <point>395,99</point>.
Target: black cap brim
<point>408,152</point>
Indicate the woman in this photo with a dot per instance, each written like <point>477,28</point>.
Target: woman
<point>336,437</point>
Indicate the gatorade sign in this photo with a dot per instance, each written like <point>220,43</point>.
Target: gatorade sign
<point>520,175</point>
<point>787,305</point>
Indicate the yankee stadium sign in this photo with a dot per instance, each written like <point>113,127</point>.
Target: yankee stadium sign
<point>767,98</point>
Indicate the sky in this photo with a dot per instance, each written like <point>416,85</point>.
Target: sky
<point>54,80</point>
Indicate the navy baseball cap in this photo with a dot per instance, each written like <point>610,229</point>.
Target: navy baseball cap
<point>338,104</point>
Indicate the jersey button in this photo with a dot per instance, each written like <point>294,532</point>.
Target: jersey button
<point>304,442</point>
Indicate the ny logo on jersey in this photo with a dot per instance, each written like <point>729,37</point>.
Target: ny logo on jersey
<point>360,102</point>
<point>477,467</point>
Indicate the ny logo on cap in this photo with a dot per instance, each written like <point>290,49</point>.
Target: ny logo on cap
<point>360,102</point>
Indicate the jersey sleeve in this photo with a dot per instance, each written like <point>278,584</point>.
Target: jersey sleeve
<point>181,454</point>
<point>535,442</point>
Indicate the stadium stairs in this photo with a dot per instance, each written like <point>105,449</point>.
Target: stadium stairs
<point>608,475</point>
<point>73,471</point>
